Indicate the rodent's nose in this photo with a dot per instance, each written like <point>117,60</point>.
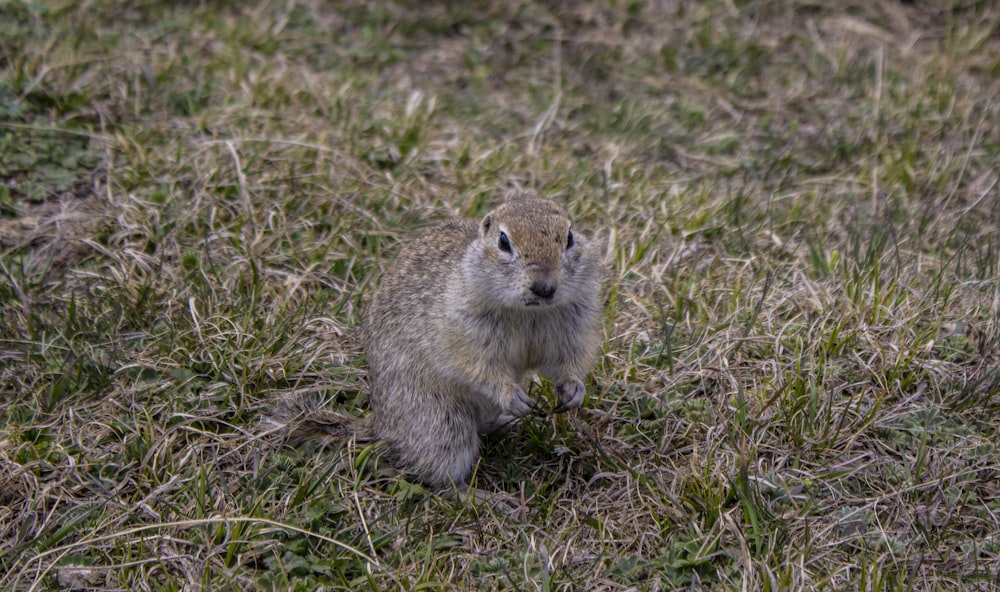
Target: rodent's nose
<point>543,288</point>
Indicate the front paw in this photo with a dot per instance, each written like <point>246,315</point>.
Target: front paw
<point>521,404</point>
<point>570,394</point>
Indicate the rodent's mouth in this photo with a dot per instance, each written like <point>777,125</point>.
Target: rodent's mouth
<point>536,303</point>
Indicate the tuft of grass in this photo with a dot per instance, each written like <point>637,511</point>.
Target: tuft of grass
<point>797,206</point>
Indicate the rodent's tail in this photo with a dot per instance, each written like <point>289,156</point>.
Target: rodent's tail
<point>330,425</point>
<point>300,422</point>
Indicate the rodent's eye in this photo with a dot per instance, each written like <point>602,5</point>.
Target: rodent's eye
<point>569,240</point>
<point>504,243</point>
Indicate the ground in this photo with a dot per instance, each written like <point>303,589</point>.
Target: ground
<point>797,204</point>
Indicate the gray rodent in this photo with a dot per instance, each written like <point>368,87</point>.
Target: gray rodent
<point>466,312</point>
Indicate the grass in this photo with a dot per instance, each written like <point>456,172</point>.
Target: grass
<point>800,214</point>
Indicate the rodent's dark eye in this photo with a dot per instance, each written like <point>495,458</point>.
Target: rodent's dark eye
<point>504,243</point>
<point>569,240</point>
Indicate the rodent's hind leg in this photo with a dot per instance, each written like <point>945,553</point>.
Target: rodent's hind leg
<point>439,445</point>
<point>439,464</point>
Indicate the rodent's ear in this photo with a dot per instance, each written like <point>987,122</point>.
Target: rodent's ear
<point>487,222</point>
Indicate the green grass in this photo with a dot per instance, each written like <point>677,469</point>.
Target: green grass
<point>800,214</point>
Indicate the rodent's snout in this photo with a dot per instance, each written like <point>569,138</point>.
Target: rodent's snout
<point>542,283</point>
<point>544,288</point>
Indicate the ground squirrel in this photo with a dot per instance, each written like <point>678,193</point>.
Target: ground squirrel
<point>463,315</point>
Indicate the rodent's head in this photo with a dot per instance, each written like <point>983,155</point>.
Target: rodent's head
<point>530,247</point>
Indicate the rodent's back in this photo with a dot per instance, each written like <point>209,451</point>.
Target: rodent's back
<point>410,292</point>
